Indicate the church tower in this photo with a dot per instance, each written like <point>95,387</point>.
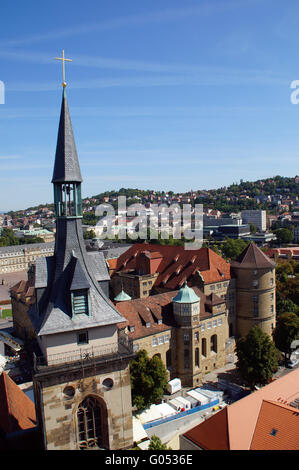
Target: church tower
<point>81,362</point>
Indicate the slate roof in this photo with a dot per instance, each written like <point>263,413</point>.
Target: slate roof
<point>57,274</point>
<point>31,246</point>
<point>66,167</point>
<point>71,267</point>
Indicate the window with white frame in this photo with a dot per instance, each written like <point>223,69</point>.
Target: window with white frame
<point>154,342</point>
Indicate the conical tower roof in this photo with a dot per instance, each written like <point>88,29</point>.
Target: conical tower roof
<point>66,166</point>
<point>122,297</point>
<point>253,257</point>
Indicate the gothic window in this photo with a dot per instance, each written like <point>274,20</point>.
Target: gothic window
<point>90,421</point>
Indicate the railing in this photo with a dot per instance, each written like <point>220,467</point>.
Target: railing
<point>122,347</point>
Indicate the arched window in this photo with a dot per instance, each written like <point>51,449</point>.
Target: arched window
<point>92,424</point>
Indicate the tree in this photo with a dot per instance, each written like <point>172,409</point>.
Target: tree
<point>89,234</point>
<point>156,444</point>
<point>257,357</point>
<point>253,228</point>
<point>233,248</point>
<point>284,235</point>
<point>286,305</point>
<point>286,331</point>
<point>148,380</point>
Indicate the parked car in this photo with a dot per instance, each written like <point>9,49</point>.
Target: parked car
<point>292,363</point>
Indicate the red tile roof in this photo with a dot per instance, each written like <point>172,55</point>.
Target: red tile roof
<point>277,427</point>
<point>212,434</point>
<point>252,257</point>
<point>176,264</point>
<point>246,422</point>
<point>138,312</point>
<point>17,412</point>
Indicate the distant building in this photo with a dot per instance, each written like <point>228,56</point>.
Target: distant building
<point>256,217</point>
<point>283,253</point>
<point>46,235</point>
<point>17,258</point>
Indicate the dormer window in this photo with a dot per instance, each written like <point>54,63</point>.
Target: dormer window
<point>159,321</point>
<point>80,302</point>
<point>147,324</point>
<point>132,328</point>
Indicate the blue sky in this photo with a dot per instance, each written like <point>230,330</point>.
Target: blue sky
<point>168,94</point>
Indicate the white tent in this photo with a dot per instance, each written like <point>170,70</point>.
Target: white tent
<point>165,410</point>
<point>185,403</point>
<point>198,396</point>
<point>2,363</point>
<point>174,385</point>
<point>176,404</point>
<point>138,430</point>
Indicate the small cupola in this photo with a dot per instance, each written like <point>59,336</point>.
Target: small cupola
<point>122,297</point>
<point>186,302</point>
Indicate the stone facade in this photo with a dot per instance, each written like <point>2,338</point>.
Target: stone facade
<point>135,285</point>
<point>59,392</point>
<point>256,300</point>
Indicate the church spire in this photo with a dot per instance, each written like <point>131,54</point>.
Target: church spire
<point>66,166</point>
<point>67,174</point>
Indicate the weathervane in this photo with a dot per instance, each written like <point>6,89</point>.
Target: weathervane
<point>63,68</point>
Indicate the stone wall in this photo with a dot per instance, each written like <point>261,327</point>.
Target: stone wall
<point>59,395</point>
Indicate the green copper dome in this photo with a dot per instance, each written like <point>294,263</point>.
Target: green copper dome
<point>122,296</point>
<point>186,295</point>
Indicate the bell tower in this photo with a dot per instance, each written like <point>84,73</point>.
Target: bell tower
<point>81,358</point>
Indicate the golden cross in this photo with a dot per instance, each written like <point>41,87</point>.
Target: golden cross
<point>63,69</point>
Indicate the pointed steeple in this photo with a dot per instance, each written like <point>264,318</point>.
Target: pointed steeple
<point>66,166</point>
<point>66,175</point>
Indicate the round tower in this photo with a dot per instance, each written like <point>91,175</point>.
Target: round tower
<point>255,288</point>
<point>186,310</point>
